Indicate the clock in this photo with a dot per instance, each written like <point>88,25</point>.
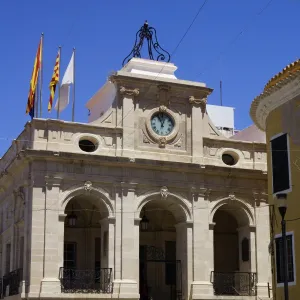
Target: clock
<point>162,123</point>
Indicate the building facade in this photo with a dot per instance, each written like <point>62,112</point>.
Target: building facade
<point>276,111</point>
<point>147,200</point>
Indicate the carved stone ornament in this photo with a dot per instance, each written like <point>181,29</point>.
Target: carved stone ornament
<point>162,108</point>
<point>231,196</point>
<point>201,102</point>
<point>87,186</point>
<point>162,142</point>
<point>129,92</point>
<point>164,94</point>
<point>145,139</point>
<point>164,192</point>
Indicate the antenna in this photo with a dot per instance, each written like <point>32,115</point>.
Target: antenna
<point>221,93</point>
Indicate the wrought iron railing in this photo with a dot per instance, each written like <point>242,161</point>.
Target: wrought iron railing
<point>12,280</point>
<point>234,283</point>
<point>86,281</point>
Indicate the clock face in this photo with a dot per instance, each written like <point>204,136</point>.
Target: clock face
<point>162,124</point>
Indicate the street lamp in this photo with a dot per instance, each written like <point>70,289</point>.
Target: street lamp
<point>282,207</point>
<point>72,218</point>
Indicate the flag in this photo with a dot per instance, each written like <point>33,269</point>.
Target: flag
<point>64,91</point>
<point>33,81</point>
<point>54,81</point>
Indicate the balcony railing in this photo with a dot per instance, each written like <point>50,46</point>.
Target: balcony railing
<point>12,281</point>
<point>86,281</point>
<point>234,283</point>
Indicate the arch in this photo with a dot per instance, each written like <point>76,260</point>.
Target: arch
<point>183,213</point>
<point>232,201</point>
<point>82,189</point>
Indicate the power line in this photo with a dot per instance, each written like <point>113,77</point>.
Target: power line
<point>236,37</point>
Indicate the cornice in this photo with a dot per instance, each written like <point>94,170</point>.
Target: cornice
<point>275,96</point>
<point>144,163</point>
<point>124,78</point>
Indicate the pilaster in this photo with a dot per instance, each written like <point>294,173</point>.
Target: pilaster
<point>52,258</point>
<point>262,244</point>
<point>203,246</point>
<point>198,108</point>
<point>127,273</point>
<point>128,119</point>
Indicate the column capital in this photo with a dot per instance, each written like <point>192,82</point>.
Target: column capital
<point>211,225</point>
<point>186,224</point>
<point>128,186</point>
<point>52,181</point>
<point>62,217</point>
<point>108,220</point>
<point>129,92</point>
<point>199,102</point>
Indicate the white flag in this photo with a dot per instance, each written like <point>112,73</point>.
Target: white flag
<point>64,91</point>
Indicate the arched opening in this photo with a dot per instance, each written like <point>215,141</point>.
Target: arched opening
<point>232,259</point>
<point>162,257</point>
<point>85,253</point>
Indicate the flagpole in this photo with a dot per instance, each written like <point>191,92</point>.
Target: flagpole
<point>41,74</point>
<point>73,106</point>
<point>59,49</point>
<point>36,98</point>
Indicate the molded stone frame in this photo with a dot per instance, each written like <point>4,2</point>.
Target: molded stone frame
<point>157,138</point>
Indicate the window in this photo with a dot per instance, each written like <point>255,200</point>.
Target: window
<point>280,164</point>
<point>70,255</point>
<point>290,258</point>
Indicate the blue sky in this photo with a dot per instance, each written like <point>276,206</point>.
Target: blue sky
<point>103,33</point>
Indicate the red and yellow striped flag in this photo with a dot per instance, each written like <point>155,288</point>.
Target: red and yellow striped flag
<point>33,81</point>
<point>54,81</point>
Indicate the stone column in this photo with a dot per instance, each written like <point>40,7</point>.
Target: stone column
<point>27,193</point>
<point>203,245</point>
<point>128,119</point>
<point>184,253</point>
<point>128,271</point>
<point>108,241</point>
<point>262,243</point>
<point>35,242</point>
<point>52,259</point>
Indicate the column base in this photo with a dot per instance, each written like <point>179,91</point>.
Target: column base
<point>201,288</point>
<point>50,286</point>
<point>262,291</point>
<point>127,289</point>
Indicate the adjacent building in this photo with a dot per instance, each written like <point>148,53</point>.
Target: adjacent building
<point>148,200</point>
<point>277,111</point>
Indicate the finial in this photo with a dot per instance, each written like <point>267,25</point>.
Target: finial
<point>148,33</point>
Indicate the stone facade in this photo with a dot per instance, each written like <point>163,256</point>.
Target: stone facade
<point>208,229</point>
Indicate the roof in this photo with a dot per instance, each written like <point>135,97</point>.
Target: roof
<point>281,79</point>
<point>250,134</point>
<point>286,72</point>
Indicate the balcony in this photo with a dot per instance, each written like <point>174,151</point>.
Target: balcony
<point>234,283</point>
<point>86,281</point>
<point>11,281</point>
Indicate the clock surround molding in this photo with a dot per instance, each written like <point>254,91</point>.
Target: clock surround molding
<point>162,140</point>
